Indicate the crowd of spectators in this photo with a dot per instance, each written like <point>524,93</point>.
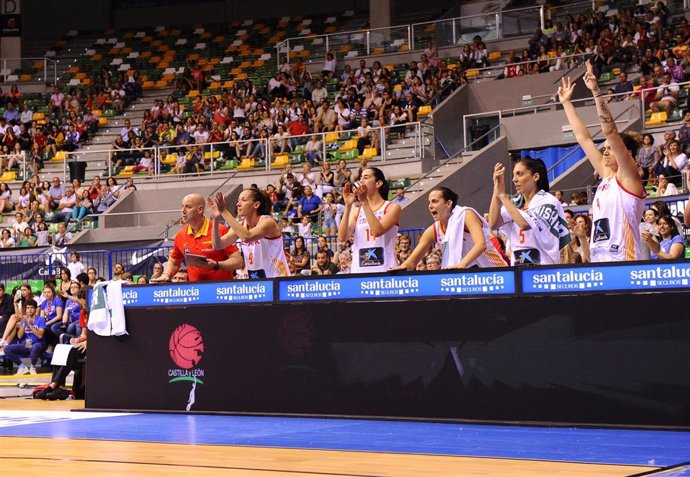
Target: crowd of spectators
<point>70,121</point>
<point>295,102</point>
<point>38,204</point>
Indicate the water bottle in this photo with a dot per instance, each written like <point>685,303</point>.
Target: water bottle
<point>28,343</point>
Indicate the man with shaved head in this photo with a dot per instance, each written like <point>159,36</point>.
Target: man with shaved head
<point>195,238</point>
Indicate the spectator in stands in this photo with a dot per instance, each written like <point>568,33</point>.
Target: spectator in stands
<point>65,206</point>
<point>310,204</point>
<point>157,271</point>
<point>399,197</point>
<point>344,262</point>
<point>323,265</point>
<point>182,276</point>
<point>28,238</point>
<point>433,262</point>
<point>51,309</point>
<point>648,156</point>
<point>56,192</point>
<point>623,86</point>
<point>329,66</point>
<point>31,332</point>
<point>299,257</point>
<point>20,224</point>
<point>326,118</point>
<point>194,238</point>
<point>6,307</point>
<point>62,237</point>
<point>673,164</point>
<point>6,203</point>
<point>56,100</point>
<point>670,244</point>
<point>665,187</point>
<point>684,135</point>
<point>666,98</point>
<point>6,239</point>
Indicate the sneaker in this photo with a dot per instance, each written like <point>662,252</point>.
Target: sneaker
<point>32,370</point>
<point>3,342</point>
<point>22,370</point>
<point>57,394</point>
<point>43,395</point>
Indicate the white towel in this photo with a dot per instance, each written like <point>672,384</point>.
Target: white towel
<point>544,208</point>
<point>457,242</point>
<point>107,315</point>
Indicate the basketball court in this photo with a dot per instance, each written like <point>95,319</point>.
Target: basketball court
<point>60,438</point>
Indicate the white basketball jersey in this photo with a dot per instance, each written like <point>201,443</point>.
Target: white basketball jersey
<point>616,214</point>
<point>265,258</point>
<point>371,254</point>
<point>525,247</point>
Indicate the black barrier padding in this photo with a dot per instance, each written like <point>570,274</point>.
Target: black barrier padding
<point>619,359</point>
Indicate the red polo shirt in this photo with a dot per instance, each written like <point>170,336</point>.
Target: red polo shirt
<point>200,244</point>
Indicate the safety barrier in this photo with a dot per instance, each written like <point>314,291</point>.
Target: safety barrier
<point>589,279</point>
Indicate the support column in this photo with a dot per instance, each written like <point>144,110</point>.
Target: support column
<point>11,33</point>
<point>380,13</point>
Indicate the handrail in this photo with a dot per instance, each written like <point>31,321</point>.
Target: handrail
<point>45,59</point>
<point>528,62</point>
<point>445,161</point>
<point>281,45</point>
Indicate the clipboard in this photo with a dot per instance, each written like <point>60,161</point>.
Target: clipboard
<point>194,260</point>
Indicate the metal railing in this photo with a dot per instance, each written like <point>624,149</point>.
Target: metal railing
<point>413,37</point>
<point>491,135</point>
<point>486,71</point>
<point>11,68</point>
<point>262,149</point>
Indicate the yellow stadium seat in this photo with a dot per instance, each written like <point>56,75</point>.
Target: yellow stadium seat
<point>424,110</point>
<point>193,93</point>
<point>349,145</point>
<point>8,176</point>
<point>281,160</point>
<point>207,155</point>
<point>369,152</point>
<point>38,116</point>
<point>494,55</point>
<point>60,156</point>
<point>102,121</point>
<point>170,159</point>
<point>656,119</point>
<point>332,137</point>
<point>472,73</point>
<point>247,163</point>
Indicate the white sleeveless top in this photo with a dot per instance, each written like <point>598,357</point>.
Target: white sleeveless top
<point>616,215</point>
<point>265,258</point>
<point>455,241</point>
<point>371,254</point>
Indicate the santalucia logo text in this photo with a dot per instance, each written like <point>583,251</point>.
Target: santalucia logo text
<point>176,293</point>
<point>389,286</point>
<point>472,280</point>
<point>473,283</point>
<point>314,286</point>
<point>241,292</point>
<point>570,280</point>
<point>661,276</point>
<point>243,289</point>
<point>129,297</point>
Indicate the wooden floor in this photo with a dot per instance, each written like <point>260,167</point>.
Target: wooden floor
<point>63,457</point>
<point>68,457</point>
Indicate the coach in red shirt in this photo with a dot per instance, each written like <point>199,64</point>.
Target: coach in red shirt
<point>195,238</point>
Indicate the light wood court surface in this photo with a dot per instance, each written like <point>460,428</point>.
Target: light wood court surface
<point>58,457</point>
<point>64,457</point>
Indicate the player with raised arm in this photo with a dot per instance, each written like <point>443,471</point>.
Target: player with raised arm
<point>533,220</point>
<point>619,200</point>
<point>259,235</point>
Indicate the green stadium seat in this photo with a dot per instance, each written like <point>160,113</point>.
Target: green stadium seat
<point>37,286</point>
